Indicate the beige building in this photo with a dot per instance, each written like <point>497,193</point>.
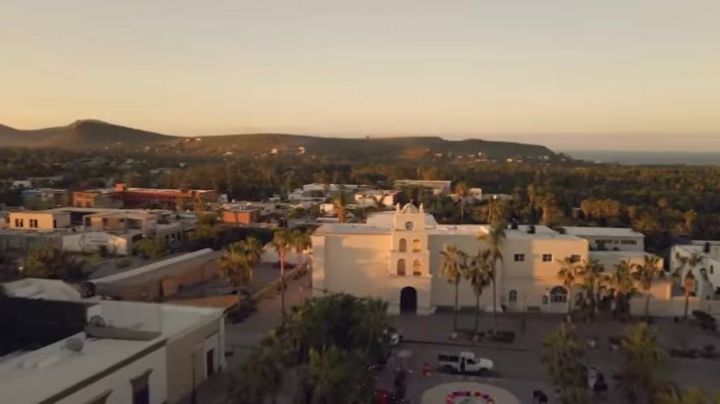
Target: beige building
<point>104,351</point>
<point>396,256</point>
<point>40,220</point>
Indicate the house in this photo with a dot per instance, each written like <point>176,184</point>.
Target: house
<point>609,238</point>
<point>377,197</point>
<point>98,241</point>
<point>241,216</point>
<point>396,256</point>
<point>158,280</point>
<point>438,187</point>
<point>96,198</point>
<point>706,270</point>
<point>105,351</point>
<point>39,220</point>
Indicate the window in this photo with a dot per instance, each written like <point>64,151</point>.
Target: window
<point>409,226</point>
<point>141,388</point>
<point>512,296</point>
<point>210,362</point>
<point>19,223</point>
<point>547,257</point>
<point>628,242</point>
<point>558,294</point>
<point>403,245</point>
<point>401,267</point>
<point>417,268</point>
<point>416,245</point>
<point>575,258</point>
<point>519,257</point>
<point>33,223</point>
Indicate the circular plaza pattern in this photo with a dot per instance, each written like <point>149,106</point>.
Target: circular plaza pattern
<point>468,393</point>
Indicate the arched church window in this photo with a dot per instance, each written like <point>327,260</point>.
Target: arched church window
<point>403,245</point>
<point>417,268</point>
<point>416,245</point>
<point>401,267</point>
<point>512,296</point>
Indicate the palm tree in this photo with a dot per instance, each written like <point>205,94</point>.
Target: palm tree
<point>645,274</point>
<point>235,265</point>
<point>253,248</point>
<point>674,395</point>
<point>282,242</point>
<point>569,274</point>
<point>461,190</point>
<point>563,359</point>
<point>621,284</point>
<point>478,272</point>
<point>340,206</point>
<point>300,243</point>
<point>451,268</point>
<point>592,282</point>
<point>495,239</point>
<point>688,279</point>
<point>642,361</point>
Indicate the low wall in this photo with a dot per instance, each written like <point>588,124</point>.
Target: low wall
<point>669,307</point>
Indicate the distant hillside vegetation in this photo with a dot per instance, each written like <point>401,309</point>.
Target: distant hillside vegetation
<point>81,134</point>
<point>92,134</point>
<point>397,147</point>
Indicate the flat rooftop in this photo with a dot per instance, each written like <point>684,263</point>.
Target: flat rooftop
<point>36,376</point>
<point>602,231</point>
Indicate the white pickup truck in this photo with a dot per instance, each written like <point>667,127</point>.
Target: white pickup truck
<point>464,362</point>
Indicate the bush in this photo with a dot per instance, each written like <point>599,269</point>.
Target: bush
<point>705,320</point>
<point>123,263</point>
<point>703,316</point>
<point>244,308</point>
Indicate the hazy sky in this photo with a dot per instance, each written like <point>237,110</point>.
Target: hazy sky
<point>569,74</point>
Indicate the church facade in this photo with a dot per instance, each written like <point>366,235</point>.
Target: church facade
<point>396,256</point>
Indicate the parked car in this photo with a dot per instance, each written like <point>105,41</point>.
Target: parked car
<point>464,362</point>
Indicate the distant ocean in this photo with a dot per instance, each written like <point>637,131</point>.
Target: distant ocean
<point>646,157</point>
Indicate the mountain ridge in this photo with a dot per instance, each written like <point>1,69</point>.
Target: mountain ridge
<point>89,134</point>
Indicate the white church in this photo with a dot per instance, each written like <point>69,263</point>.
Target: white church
<point>396,256</point>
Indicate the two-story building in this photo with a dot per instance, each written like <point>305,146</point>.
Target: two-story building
<point>397,256</point>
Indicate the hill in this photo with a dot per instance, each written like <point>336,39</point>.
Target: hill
<point>92,134</point>
<point>392,147</point>
<point>81,134</point>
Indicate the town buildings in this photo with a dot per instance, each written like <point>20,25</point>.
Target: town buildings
<point>129,197</point>
<point>93,229</point>
<point>66,350</point>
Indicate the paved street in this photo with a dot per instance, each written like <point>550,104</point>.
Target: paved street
<point>241,337</point>
<point>518,366</point>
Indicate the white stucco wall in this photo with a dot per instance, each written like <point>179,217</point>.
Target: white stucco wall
<point>119,382</point>
<point>92,241</point>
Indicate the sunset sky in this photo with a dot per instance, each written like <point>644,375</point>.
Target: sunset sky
<point>605,74</point>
